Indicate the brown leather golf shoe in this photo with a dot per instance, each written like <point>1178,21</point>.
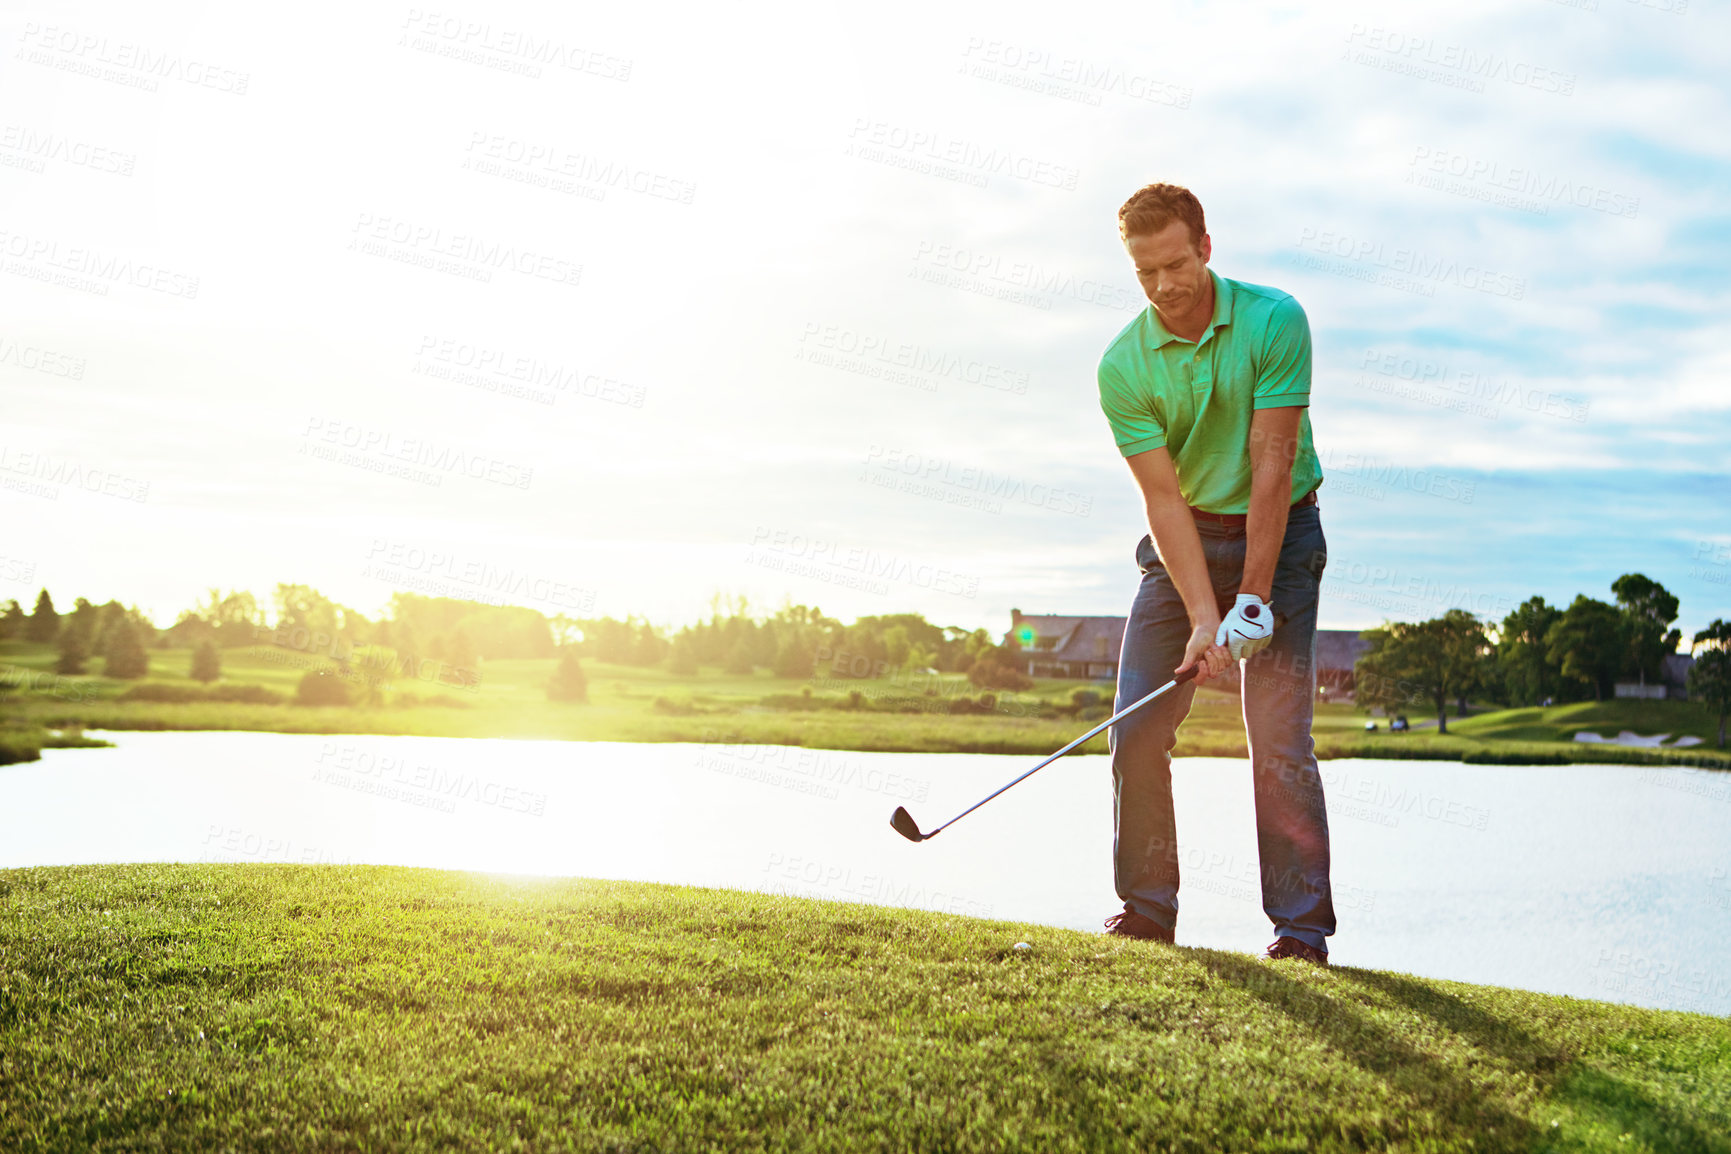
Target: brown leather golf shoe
<point>1131,924</point>
<point>1293,948</point>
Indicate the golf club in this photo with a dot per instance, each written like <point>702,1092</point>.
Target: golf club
<point>904,823</point>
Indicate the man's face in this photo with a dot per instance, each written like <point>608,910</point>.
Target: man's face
<point>1173,272</point>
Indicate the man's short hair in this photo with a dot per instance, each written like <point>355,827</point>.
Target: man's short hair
<point>1155,206</point>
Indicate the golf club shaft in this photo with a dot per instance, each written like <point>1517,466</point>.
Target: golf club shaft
<point>1126,711</point>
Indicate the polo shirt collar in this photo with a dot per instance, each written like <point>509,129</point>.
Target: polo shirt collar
<point>1222,314</point>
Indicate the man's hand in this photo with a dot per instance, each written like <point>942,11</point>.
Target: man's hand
<point>1180,549</point>
<point>1248,628</point>
<point>1202,650</point>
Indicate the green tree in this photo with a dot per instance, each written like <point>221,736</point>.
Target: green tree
<point>1648,610</point>
<point>313,623</point>
<point>206,662</point>
<point>999,667</point>
<point>682,661</point>
<point>564,630</point>
<point>568,682</point>
<point>1588,643</point>
<point>73,654</point>
<point>13,622</point>
<point>1423,661</point>
<point>897,647</point>
<point>44,626</point>
<point>738,660</point>
<point>497,631</point>
<point>794,657</point>
<point>609,641</point>
<point>235,617</point>
<point>77,636</point>
<point>188,630</point>
<point>108,618</point>
<point>1528,673</point>
<point>1710,676</point>
<point>976,643</point>
<point>409,649</point>
<point>124,655</point>
<point>650,648</point>
<point>464,658</point>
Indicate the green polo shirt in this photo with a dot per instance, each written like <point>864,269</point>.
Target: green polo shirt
<point>1196,397</point>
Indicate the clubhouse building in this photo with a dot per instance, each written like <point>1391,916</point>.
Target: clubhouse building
<point>1087,647</point>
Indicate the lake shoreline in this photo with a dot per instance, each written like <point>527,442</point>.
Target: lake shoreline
<point>944,713</point>
<point>71,730</point>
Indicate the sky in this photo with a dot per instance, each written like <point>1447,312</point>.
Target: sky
<point>609,311</point>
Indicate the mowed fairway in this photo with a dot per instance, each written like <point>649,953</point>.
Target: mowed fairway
<point>251,1007</point>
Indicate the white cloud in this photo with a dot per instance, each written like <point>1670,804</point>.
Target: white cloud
<point>698,309</point>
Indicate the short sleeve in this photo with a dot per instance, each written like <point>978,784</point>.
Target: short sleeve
<point>1283,368</point>
<point>1135,427</point>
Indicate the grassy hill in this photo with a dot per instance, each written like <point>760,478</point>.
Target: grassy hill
<point>933,713</point>
<point>256,1007</point>
<point>1606,718</point>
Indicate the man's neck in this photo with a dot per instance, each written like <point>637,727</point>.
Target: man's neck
<point>1191,326</point>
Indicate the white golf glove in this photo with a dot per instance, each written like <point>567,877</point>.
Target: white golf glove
<point>1248,628</point>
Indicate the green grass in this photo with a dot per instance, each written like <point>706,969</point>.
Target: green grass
<point>629,703</point>
<point>25,742</point>
<point>265,1007</point>
<point>1606,718</point>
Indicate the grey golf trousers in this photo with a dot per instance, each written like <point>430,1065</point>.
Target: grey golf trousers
<point>1279,689</point>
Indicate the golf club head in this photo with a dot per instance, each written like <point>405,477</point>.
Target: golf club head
<point>904,824</point>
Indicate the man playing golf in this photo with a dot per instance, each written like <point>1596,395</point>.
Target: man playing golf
<point>1206,393</point>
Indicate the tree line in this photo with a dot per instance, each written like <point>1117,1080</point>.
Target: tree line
<point>1541,654</point>
<point>794,641</point>
<point>458,635</point>
<point>798,641</point>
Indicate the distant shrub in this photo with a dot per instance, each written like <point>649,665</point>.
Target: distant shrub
<point>407,700</point>
<point>1085,699</point>
<point>988,672</point>
<point>126,658</point>
<point>73,654</point>
<point>321,687</point>
<point>674,708</point>
<point>206,661</point>
<point>151,691</point>
<point>791,701</point>
<point>568,683</point>
<point>244,694</point>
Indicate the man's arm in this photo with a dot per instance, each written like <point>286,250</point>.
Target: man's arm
<point>1174,533</point>
<point>1273,445</point>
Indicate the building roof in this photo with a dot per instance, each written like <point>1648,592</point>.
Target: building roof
<point>1675,668</point>
<point>1336,649</point>
<point>1076,636</point>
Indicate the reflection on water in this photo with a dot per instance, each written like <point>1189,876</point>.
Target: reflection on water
<point>1596,881</point>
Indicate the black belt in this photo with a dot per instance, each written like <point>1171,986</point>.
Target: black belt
<point>1240,518</point>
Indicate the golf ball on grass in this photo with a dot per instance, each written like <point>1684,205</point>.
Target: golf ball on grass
<point>1021,946</point>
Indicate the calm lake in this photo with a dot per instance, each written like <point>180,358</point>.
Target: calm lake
<point>1595,881</point>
